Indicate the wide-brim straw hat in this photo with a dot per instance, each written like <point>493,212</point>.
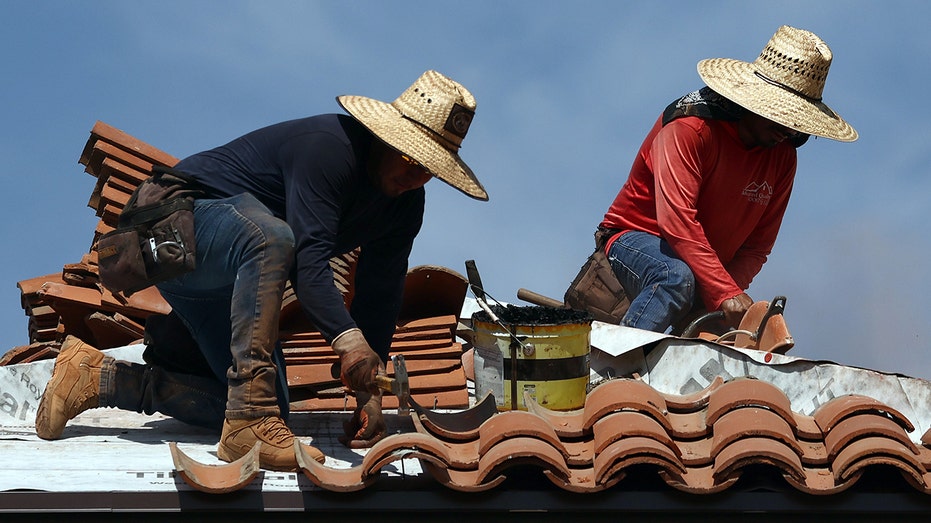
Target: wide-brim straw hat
<point>427,123</point>
<point>783,84</point>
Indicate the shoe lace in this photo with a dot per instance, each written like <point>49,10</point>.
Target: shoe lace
<point>275,430</point>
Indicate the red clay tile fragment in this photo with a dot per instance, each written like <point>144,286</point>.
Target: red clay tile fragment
<point>216,479</point>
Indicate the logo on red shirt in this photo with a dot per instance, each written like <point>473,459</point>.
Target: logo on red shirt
<point>758,192</point>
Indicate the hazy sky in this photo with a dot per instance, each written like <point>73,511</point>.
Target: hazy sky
<point>566,92</point>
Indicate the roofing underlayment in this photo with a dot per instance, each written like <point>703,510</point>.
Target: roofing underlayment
<point>669,424</point>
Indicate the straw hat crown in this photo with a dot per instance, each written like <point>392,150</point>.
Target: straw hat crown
<point>785,83</point>
<point>428,123</point>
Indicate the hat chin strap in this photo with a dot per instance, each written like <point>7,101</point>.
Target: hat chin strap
<point>445,142</point>
<point>786,87</point>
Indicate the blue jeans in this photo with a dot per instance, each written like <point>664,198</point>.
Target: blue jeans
<point>661,286</point>
<point>231,302</point>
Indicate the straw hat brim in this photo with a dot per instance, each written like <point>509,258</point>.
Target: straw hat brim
<point>415,141</point>
<point>737,81</point>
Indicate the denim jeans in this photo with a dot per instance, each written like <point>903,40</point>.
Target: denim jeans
<point>231,302</point>
<point>660,285</point>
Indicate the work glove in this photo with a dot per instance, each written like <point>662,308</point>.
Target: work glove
<point>358,363</point>
<point>735,308</point>
<point>367,426</point>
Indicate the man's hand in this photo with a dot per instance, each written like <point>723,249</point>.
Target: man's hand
<point>367,425</point>
<point>735,308</point>
<point>358,363</point>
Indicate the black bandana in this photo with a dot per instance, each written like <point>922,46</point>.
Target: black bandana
<point>706,103</point>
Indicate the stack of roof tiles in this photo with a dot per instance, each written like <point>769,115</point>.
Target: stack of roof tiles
<point>74,303</point>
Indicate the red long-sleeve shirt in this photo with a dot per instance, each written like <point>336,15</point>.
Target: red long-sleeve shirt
<point>718,204</point>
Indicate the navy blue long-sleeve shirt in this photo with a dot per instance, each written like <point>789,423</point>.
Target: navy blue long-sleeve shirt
<point>312,173</point>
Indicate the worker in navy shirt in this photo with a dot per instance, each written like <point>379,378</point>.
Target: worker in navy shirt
<point>280,202</point>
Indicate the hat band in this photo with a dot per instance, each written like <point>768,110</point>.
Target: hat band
<point>786,87</point>
<point>444,141</point>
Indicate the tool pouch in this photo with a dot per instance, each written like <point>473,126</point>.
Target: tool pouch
<point>155,238</point>
<point>596,289</point>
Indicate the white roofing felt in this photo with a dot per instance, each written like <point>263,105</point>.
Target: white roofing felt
<point>110,450</point>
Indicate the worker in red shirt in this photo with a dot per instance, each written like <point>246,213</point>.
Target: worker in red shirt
<point>706,194</point>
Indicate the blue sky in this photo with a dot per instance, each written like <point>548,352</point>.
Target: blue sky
<point>566,92</point>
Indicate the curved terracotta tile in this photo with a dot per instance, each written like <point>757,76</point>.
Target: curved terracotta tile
<point>814,453</point>
<point>926,438</point>
<point>821,481</point>
<point>567,424</point>
<point>695,401</point>
<point>462,480</point>
<point>336,480</point>
<point>216,479</point>
<point>749,392</point>
<point>752,451</point>
<point>877,450</point>
<point>637,450</point>
<point>625,424</point>
<point>840,407</point>
<point>403,446</point>
<point>457,426</point>
<point>857,426</point>
<point>516,423</point>
<point>688,425</point>
<point>624,394</point>
<point>698,480</point>
<point>752,422</point>
<point>522,451</point>
<point>695,452</point>
<point>807,428</point>
<point>582,480</point>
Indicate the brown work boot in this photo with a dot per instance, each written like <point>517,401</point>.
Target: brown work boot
<point>277,452</point>
<point>74,387</point>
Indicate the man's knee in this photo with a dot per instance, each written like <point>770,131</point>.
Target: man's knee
<point>680,282</point>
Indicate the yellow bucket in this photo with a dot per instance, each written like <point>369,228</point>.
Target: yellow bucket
<point>549,360</point>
